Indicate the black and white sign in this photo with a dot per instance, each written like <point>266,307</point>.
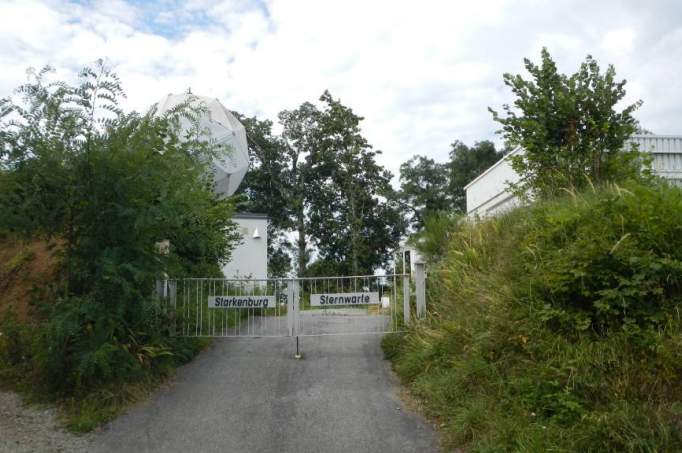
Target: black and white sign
<point>333,299</point>
<point>241,301</point>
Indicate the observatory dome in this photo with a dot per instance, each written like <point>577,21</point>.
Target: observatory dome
<point>219,126</point>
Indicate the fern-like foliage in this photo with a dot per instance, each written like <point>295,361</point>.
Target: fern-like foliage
<point>109,185</point>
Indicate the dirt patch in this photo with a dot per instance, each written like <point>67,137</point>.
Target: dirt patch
<point>31,428</point>
<point>25,270</point>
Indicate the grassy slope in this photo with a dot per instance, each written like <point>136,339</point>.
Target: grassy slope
<point>504,362</point>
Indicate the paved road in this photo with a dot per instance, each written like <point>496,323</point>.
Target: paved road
<point>250,395</point>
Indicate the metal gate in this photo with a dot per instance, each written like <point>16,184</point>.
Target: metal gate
<point>365,304</point>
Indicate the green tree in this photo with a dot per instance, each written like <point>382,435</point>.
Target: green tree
<point>354,213</point>
<point>320,180</point>
<point>428,188</point>
<point>466,163</point>
<point>568,126</point>
<point>424,189</point>
<point>300,138</point>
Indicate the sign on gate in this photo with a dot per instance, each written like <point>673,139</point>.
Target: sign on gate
<point>241,301</point>
<point>281,307</point>
<point>326,299</point>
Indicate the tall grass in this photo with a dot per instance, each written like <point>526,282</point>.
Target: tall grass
<point>556,327</point>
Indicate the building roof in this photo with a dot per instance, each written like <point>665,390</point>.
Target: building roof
<point>651,143</point>
<point>249,215</point>
<point>492,167</point>
<point>488,191</point>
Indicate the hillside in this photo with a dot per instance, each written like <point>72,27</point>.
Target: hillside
<point>26,268</point>
<point>555,327</point>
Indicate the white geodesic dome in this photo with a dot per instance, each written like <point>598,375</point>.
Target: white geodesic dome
<point>219,126</point>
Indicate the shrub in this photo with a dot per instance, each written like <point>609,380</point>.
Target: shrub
<point>605,261</point>
<point>573,128</point>
<point>560,322</point>
<point>108,186</point>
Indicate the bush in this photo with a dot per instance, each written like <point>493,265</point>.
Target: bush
<point>612,260</point>
<point>556,327</point>
<point>108,186</point>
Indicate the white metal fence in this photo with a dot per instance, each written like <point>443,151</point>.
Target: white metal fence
<point>364,304</point>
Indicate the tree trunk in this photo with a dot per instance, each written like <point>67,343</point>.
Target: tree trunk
<point>299,209</point>
<point>300,227</point>
<point>353,233</point>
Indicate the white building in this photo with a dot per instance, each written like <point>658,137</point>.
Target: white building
<point>250,258</point>
<point>488,193</point>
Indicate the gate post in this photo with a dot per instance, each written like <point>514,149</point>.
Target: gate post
<point>406,299</point>
<point>297,307</point>
<point>159,288</point>
<point>420,286</point>
<point>291,310</point>
<point>173,293</point>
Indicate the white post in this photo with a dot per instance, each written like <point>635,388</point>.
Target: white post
<point>403,255</point>
<point>420,286</point>
<point>158,288</point>
<point>406,299</point>
<point>290,307</point>
<point>297,307</point>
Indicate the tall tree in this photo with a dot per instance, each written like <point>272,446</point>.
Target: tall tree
<point>354,217</point>
<point>320,179</point>
<point>300,138</point>
<point>568,126</point>
<point>428,187</point>
<point>424,185</point>
<point>466,163</point>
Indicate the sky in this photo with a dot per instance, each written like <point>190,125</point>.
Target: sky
<point>422,74</point>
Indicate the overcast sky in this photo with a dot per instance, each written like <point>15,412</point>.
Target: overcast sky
<point>421,73</point>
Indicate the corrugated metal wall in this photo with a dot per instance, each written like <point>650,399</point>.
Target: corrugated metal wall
<point>667,154</point>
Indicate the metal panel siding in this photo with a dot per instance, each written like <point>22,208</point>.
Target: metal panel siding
<point>668,162</point>
<point>663,144</point>
<point>666,151</point>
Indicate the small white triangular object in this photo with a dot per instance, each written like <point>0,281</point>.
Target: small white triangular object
<point>256,234</point>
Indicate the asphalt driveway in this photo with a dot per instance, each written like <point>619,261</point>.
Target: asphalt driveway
<point>251,395</point>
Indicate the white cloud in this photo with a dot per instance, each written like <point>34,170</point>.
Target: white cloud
<point>620,41</point>
<point>422,74</point>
